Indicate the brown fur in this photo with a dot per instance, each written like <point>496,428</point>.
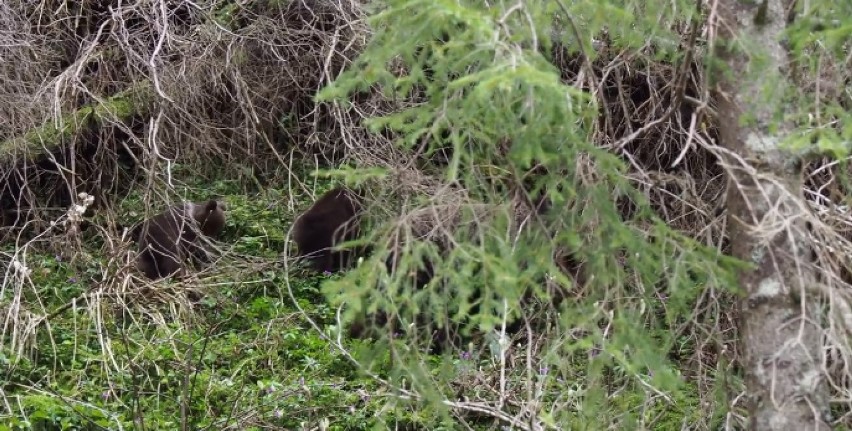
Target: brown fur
<point>331,220</point>
<point>168,239</point>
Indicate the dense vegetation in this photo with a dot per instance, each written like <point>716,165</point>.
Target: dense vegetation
<point>556,165</point>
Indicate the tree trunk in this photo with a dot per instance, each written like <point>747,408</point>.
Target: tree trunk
<point>767,217</point>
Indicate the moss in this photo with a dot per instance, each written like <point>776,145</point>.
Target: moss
<point>119,107</point>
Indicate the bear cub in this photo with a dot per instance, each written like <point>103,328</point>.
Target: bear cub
<point>168,240</point>
<point>331,220</point>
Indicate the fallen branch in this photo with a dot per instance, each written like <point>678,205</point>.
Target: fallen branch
<point>41,140</point>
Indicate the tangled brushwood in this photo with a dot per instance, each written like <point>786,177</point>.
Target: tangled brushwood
<point>104,101</point>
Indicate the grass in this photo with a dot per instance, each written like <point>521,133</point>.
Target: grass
<point>244,357</point>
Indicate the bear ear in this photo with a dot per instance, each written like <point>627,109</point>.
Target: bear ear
<point>213,204</point>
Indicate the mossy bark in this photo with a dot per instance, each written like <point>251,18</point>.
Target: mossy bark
<point>41,140</point>
<point>767,215</point>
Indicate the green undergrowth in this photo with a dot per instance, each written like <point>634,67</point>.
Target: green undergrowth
<point>245,358</point>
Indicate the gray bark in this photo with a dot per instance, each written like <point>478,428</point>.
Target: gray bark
<point>779,330</point>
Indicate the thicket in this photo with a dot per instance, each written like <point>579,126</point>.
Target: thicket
<point>555,164</point>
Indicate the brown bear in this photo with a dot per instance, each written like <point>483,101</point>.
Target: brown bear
<point>168,239</point>
<point>334,218</point>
